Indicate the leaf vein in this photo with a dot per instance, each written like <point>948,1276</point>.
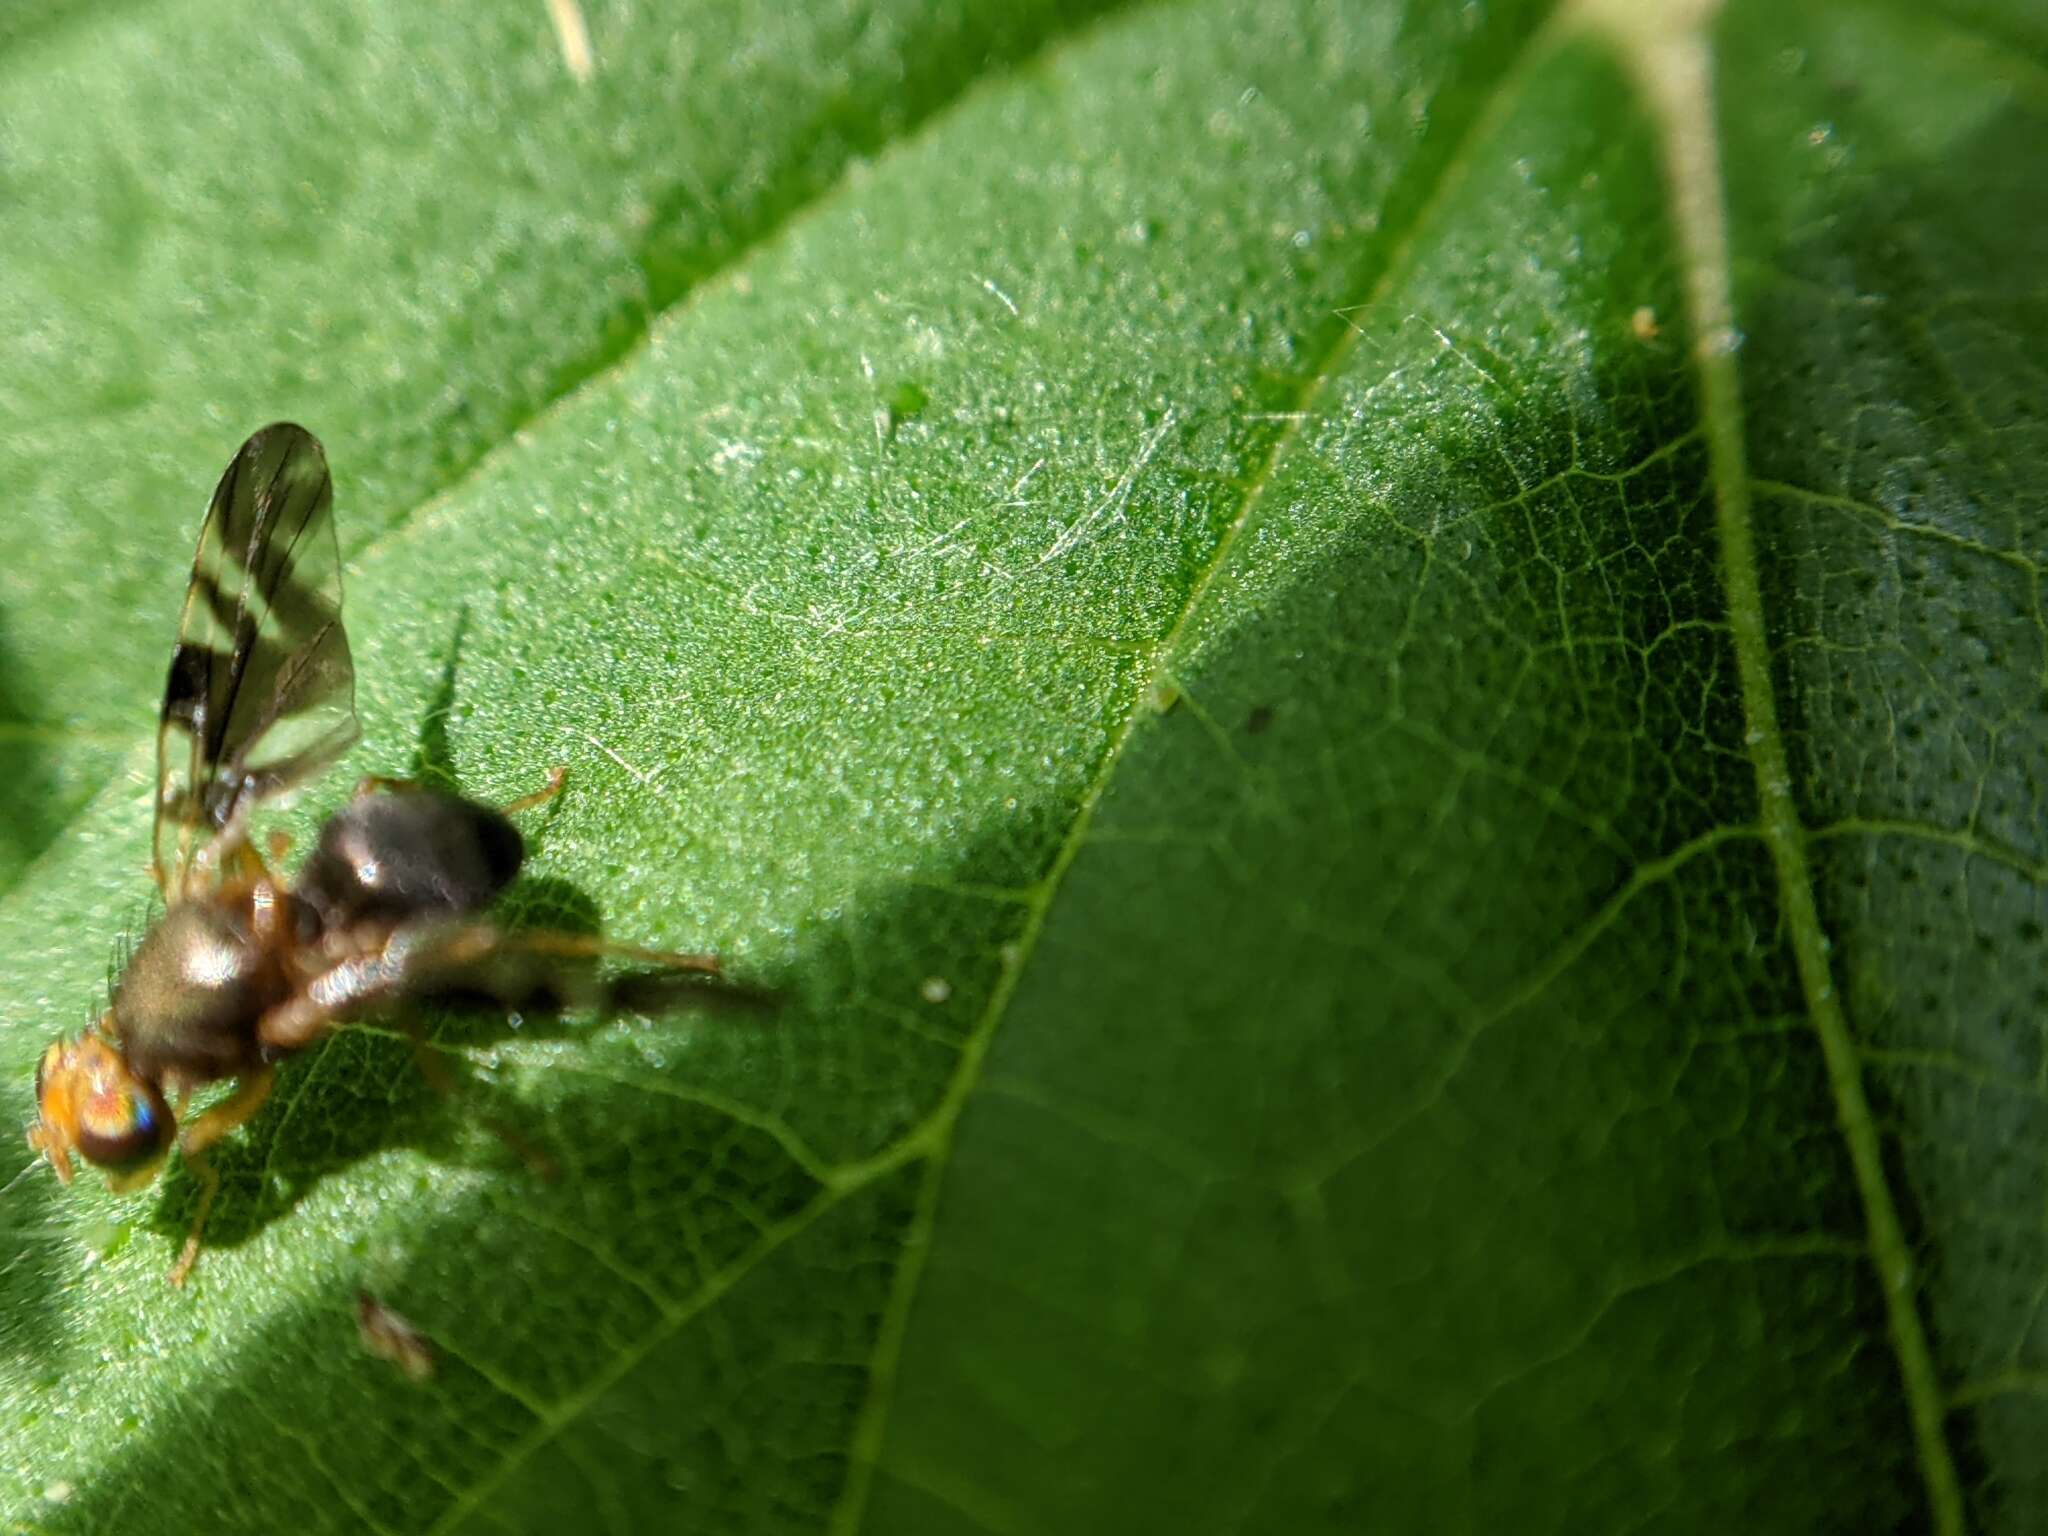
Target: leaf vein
<point>1963,839</point>
<point>1671,54</point>
<point>553,1420</point>
<point>938,1130</point>
<point>1894,524</point>
<point>1540,980</point>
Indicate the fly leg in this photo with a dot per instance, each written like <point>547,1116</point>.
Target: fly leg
<point>378,973</point>
<point>410,962</point>
<point>379,784</point>
<point>373,974</point>
<point>382,784</point>
<point>556,778</point>
<point>202,1133</point>
<point>519,966</point>
<point>513,967</point>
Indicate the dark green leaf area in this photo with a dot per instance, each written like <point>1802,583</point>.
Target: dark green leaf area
<point>1898,441</point>
<point>1454,786</point>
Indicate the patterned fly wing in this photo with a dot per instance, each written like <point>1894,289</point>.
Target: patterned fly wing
<point>261,691</point>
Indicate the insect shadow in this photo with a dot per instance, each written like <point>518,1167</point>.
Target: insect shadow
<point>402,1078</point>
<point>27,765</point>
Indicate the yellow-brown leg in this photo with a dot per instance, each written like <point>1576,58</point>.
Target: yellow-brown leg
<point>239,861</point>
<point>380,784</point>
<point>202,1133</point>
<point>541,796</point>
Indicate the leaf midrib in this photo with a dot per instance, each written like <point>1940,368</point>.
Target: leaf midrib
<point>1670,54</point>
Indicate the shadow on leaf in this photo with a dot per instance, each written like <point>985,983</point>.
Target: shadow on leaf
<point>400,1078</point>
<point>27,767</point>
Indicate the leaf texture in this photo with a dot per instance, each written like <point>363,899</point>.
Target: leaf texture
<point>1364,684</point>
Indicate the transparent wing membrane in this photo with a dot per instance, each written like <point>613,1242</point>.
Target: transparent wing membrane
<point>261,691</point>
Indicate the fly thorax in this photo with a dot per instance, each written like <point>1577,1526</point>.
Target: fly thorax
<point>190,998</point>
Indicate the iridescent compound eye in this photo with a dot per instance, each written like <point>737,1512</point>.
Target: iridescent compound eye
<point>123,1130</point>
<point>122,1123</point>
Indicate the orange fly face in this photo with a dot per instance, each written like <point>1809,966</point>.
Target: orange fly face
<point>88,1102</point>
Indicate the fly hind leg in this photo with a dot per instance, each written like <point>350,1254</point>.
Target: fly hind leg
<point>451,957</point>
<point>513,967</point>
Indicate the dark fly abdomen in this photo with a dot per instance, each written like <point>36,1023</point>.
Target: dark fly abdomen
<point>408,853</point>
<point>188,1001</point>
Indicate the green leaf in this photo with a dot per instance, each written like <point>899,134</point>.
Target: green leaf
<point>1363,686</point>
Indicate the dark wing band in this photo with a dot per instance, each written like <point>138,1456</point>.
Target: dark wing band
<point>261,692</point>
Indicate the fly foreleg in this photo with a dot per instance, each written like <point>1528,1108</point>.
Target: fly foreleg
<point>202,1133</point>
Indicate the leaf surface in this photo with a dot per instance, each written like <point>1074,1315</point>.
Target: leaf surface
<point>1364,682</point>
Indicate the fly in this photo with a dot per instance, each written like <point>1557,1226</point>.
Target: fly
<point>243,967</point>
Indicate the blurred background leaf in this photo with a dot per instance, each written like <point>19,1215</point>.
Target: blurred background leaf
<point>1363,683</point>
